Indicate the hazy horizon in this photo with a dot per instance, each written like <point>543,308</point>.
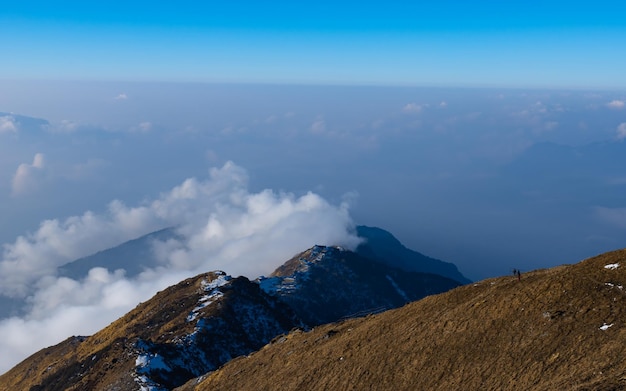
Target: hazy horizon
<point>487,135</point>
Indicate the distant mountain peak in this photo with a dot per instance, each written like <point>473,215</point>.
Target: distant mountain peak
<point>382,246</point>
<point>327,283</point>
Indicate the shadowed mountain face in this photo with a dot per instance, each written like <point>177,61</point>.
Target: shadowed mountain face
<point>133,256</point>
<point>382,246</point>
<point>325,284</point>
<point>555,329</point>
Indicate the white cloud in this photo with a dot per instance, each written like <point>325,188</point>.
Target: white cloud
<point>616,104</point>
<point>413,108</point>
<point>319,126</point>
<point>66,126</point>
<point>443,104</point>
<point>621,131</point>
<point>8,124</point>
<point>121,96</point>
<point>28,176</point>
<point>222,225</point>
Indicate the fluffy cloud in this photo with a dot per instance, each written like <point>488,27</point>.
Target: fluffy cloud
<point>7,124</point>
<point>121,96</point>
<point>616,104</point>
<point>28,176</point>
<point>220,225</point>
<point>621,131</point>
<point>65,126</point>
<point>413,108</point>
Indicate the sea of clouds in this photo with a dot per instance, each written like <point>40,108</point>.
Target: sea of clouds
<point>220,225</point>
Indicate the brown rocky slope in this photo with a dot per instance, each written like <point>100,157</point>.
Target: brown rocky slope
<point>182,332</point>
<point>555,329</point>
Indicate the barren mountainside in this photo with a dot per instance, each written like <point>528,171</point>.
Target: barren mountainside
<point>181,333</point>
<point>556,329</point>
<point>201,323</point>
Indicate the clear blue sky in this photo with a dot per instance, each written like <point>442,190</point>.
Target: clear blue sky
<point>514,43</point>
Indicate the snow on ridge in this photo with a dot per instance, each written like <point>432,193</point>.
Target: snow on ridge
<point>288,284</point>
<point>605,326</point>
<point>213,293</point>
<point>397,288</point>
<point>144,364</point>
<point>612,266</point>
<point>221,280</point>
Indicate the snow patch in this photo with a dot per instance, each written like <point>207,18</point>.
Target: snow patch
<point>213,293</point>
<point>146,384</point>
<point>221,280</point>
<point>397,288</point>
<point>289,284</point>
<point>146,363</point>
<point>605,326</point>
<point>141,361</point>
<point>612,266</point>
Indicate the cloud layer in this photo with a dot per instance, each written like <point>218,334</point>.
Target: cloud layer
<point>28,176</point>
<point>221,225</point>
<point>7,124</point>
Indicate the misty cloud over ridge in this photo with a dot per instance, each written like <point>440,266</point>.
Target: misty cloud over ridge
<point>220,224</point>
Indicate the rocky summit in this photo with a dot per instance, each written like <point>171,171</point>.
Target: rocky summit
<point>325,284</point>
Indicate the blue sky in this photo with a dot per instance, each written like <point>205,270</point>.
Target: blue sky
<point>516,44</point>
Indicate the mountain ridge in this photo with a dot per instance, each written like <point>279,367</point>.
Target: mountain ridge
<point>558,328</point>
<point>203,322</point>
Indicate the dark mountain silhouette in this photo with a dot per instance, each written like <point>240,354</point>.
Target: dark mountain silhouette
<point>25,123</point>
<point>133,256</point>
<point>382,246</point>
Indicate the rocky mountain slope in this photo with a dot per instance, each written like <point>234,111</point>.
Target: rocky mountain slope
<point>326,284</point>
<point>554,329</point>
<point>181,333</point>
<point>201,323</point>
